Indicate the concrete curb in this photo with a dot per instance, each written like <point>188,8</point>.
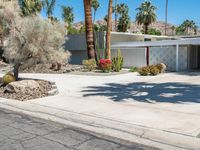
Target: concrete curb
<point>106,127</point>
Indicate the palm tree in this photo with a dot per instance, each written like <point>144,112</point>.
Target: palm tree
<point>89,28</point>
<point>30,7</point>
<point>95,6</point>
<point>49,6</point>
<point>67,15</point>
<point>195,29</point>
<point>115,11</point>
<point>166,15</point>
<point>109,28</point>
<point>146,15</point>
<point>124,20</point>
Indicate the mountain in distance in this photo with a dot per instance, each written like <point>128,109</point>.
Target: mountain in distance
<point>135,28</point>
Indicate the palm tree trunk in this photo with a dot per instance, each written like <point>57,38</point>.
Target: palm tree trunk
<point>89,28</point>
<point>109,28</point>
<point>94,17</point>
<point>145,29</point>
<point>166,15</point>
<point>115,15</point>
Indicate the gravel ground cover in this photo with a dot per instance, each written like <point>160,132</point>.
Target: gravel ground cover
<point>43,91</point>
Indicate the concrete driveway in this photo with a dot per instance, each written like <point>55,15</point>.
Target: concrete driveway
<point>161,111</point>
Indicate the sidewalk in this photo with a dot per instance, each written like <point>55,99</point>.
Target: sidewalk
<point>154,111</point>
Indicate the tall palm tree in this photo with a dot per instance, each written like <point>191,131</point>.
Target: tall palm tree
<point>115,11</point>
<point>67,15</point>
<point>146,15</point>
<point>109,28</point>
<point>166,16</point>
<point>95,6</point>
<point>30,7</point>
<point>124,20</point>
<point>49,6</point>
<point>89,28</point>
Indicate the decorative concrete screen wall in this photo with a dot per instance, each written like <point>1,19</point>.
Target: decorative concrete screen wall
<point>167,55</point>
<point>132,57</point>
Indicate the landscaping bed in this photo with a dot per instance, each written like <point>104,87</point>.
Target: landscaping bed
<point>44,89</point>
<point>46,68</point>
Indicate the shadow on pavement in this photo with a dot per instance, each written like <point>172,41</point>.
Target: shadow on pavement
<point>147,92</point>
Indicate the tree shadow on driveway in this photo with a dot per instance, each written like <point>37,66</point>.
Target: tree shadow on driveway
<point>147,92</point>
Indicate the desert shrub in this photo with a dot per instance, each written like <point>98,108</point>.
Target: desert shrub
<point>117,62</point>
<point>105,65</point>
<point>89,64</point>
<point>144,71</point>
<point>33,40</point>
<point>134,69</point>
<point>161,67</point>
<point>153,70</point>
<point>8,78</point>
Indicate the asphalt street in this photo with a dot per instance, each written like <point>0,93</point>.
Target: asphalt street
<point>21,132</point>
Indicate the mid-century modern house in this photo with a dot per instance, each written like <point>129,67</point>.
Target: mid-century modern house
<point>178,53</point>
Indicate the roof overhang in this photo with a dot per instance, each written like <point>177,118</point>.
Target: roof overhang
<point>193,41</point>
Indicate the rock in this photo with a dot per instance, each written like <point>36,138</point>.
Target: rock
<point>22,86</point>
<point>164,67</point>
<point>53,92</point>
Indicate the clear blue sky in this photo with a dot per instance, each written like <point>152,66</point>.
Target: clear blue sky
<point>179,10</point>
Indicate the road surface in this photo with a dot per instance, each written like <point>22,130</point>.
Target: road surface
<point>21,132</point>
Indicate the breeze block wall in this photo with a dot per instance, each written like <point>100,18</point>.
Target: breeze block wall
<point>167,55</point>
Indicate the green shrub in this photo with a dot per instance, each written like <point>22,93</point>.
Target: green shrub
<point>117,62</point>
<point>134,69</point>
<point>8,78</point>
<point>89,64</point>
<point>144,71</point>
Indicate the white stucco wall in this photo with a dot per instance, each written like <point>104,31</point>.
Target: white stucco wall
<point>132,57</point>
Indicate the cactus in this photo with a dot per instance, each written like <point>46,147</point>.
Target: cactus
<point>117,62</point>
<point>8,78</point>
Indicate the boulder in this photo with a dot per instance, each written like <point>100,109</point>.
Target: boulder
<point>22,86</point>
<point>164,68</point>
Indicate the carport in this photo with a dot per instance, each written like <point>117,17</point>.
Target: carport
<point>191,44</point>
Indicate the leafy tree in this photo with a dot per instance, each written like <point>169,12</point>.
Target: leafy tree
<point>154,32</point>
<point>67,15</point>
<point>146,15</point>
<point>89,28</point>
<point>30,7</point>
<point>95,6</point>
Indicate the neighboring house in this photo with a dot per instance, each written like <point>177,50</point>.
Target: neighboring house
<point>178,53</point>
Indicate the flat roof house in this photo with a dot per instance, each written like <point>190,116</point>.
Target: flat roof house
<point>178,53</point>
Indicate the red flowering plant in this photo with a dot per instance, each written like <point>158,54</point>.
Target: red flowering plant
<point>105,65</point>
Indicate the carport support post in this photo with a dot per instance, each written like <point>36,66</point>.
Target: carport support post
<point>147,55</point>
<point>177,57</point>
